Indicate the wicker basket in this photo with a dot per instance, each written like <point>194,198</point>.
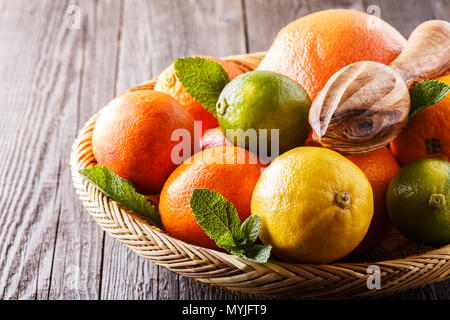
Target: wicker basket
<point>403,264</point>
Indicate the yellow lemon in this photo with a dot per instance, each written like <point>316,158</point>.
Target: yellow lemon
<point>315,205</point>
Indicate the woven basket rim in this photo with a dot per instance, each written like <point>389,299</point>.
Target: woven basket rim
<point>223,269</point>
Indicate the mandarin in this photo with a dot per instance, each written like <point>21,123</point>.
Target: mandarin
<point>133,137</point>
<point>228,170</point>
<point>427,135</point>
<point>380,167</point>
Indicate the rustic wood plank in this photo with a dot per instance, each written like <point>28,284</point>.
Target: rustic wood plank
<point>405,15</point>
<point>192,27</point>
<point>336,4</point>
<point>76,272</point>
<point>264,20</point>
<point>441,9</point>
<point>39,76</point>
<point>153,34</point>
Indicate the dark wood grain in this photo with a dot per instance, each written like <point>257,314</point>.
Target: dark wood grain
<point>346,118</point>
<point>427,54</point>
<point>53,78</point>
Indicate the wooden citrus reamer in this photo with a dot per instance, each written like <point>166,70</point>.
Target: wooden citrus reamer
<point>366,104</point>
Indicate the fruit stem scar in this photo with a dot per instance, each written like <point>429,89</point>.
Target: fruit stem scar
<point>221,107</point>
<point>437,201</point>
<point>433,146</point>
<point>342,199</point>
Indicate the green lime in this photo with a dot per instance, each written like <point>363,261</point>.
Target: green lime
<point>418,201</point>
<point>264,100</point>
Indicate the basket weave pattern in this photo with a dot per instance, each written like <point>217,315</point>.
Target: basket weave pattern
<point>273,279</point>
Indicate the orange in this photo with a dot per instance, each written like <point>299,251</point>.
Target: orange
<point>132,137</point>
<point>169,83</point>
<point>218,169</point>
<point>427,135</point>
<point>214,138</point>
<point>311,49</point>
<point>379,166</point>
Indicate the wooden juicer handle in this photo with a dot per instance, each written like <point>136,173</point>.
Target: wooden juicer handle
<point>427,53</point>
<point>365,105</point>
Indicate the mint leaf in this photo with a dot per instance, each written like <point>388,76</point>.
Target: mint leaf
<point>250,228</point>
<point>203,79</point>
<point>122,191</point>
<point>425,94</point>
<point>220,221</point>
<point>258,253</point>
<point>226,241</point>
<point>215,214</point>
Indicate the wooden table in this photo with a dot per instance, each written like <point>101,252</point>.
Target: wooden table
<point>56,71</point>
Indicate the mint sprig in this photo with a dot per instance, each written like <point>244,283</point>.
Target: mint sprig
<point>220,221</point>
<point>203,79</point>
<point>425,94</point>
<point>122,191</point>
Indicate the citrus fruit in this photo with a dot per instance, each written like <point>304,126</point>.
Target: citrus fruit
<point>418,201</point>
<point>132,137</point>
<point>169,83</point>
<point>379,166</point>
<point>427,135</point>
<point>311,49</point>
<point>228,170</point>
<point>214,138</point>
<point>264,100</point>
<point>315,205</point>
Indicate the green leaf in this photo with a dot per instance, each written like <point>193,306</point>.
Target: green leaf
<point>220,221</point>
<point>203,79</point>
<point>226,241</point>
<point>215,214</point>
<point>122,191</point>
<point>258,253</point>
<point>250,228</point>
<point>425,94</point>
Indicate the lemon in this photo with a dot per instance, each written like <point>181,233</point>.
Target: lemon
<point>418,201</point>
<point>315,205</point>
